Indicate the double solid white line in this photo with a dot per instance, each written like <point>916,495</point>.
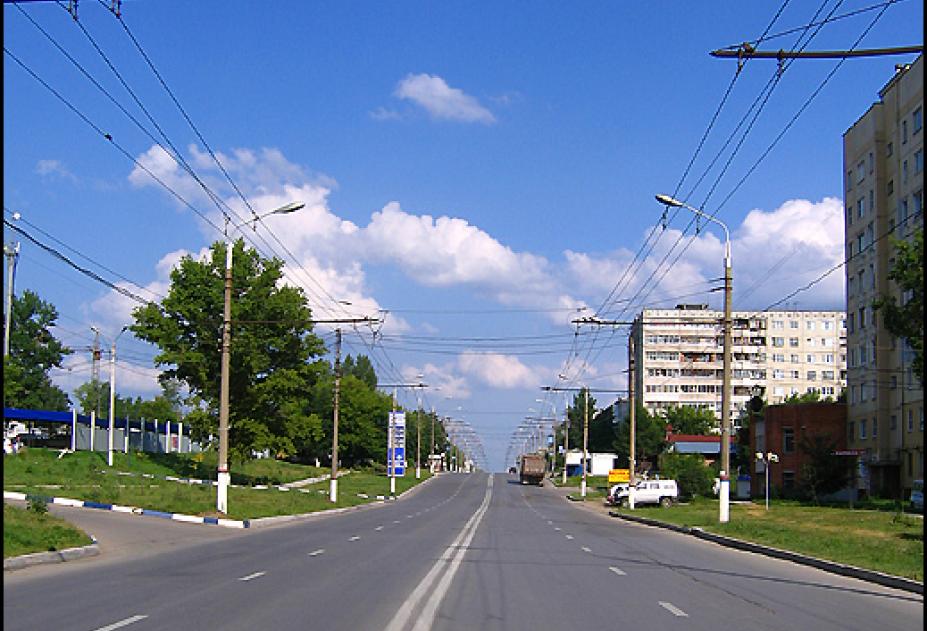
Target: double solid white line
<point>449,563</point>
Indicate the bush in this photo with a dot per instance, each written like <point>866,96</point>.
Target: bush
<point>689,470</point>
<point>38,505</point>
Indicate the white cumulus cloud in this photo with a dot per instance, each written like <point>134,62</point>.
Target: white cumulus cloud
<point>441,100</point>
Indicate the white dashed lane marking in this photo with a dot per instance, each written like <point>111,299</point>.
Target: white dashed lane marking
<point>316,553</point>
<point>251,576</point>
<point>354,538</point>
<point>569,536</point>
<point>121,623</point>
<point>585,549</point>
<point>379,528</point>
<point>617,571</point>
<point>676,611</point>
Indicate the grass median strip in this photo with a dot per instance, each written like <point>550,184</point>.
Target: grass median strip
<point>888,542</point>
<point>78,476</point>
<point>27,531</point>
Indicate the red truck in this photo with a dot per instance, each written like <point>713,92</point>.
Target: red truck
<point>532,468</point>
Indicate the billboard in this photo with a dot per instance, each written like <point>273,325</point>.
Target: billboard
<point>396,444</point>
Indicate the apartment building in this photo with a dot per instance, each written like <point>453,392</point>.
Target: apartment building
<point>883,157</point>
<point>679,356</point>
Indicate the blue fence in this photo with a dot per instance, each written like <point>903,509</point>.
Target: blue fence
<point>75,430</point>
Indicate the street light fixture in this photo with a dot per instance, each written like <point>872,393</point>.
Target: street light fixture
<point>767,458</point>
<point>725,491</point>
<point>112,393</point>
<point>223,477</point>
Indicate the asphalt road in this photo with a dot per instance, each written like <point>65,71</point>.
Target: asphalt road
<point>464,552</point>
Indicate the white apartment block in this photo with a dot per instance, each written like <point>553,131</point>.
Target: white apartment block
<point>679,356</point>
<point>883,156</point>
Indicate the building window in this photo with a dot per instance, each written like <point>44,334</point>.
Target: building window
<point>910,420</point>
<point>827,375</point>
<point>829,358</point>
<point>862,317</point>
<point>890,187</point>
<point>793,324</point>
<point>862,429</point>
<point>793,342</point>
<point>796,374</point>
<point>918,199</point>
<point>812,375</point>
<point>904,132</point>
<point>859,242</point>
<point>849,180</point>
<point>904,171</point>
<point>902,211</point>
<point>918,161</point>
<point>860,171</point>
<point>810,325</point>
<point>851,318</point>
<point>788,480</point>
<point>809,359</point>
<point>894,382</point>
<point>893,422</point>
<point>916,119</point>
<point>889,149</point>
<point>875,428</point>
<point>788,440</point>
<point>851,431</point>
<point>793,359</point>
<point>809,341</point>
<point>828,325</point>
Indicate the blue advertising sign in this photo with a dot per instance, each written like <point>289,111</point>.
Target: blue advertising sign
<point>396,444</point>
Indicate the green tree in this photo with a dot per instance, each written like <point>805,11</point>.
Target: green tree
<point>272,345</point>
<point>649,438</point>
<point>812,396</point>
<point>824,472</point>
<point>361,368</point>
<point>577,416</point>
<point>34,351</point>
<point>692,475</point>
<point>690,420</point>
<point>905,318</point>
<point>603,430</point>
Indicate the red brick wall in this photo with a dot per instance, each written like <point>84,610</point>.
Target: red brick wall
<point>805,419</point>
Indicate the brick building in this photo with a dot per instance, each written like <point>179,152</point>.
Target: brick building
<point>781,430</point>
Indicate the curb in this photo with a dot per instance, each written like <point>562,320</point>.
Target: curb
<point>57,556</point>
<point>833,567</point>
<point>190,519</point>
<point>380,501</point>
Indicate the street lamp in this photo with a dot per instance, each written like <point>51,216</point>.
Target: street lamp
<point>223,478</point>
<point>725,491</point>
<point>112,393</point>
<point>767,458</point>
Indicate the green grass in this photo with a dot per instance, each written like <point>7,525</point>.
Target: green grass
<point>877,540</point>
<point>25,531</point>
<point>78,476</point>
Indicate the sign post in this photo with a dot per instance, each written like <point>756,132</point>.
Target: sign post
<point>396,448</point>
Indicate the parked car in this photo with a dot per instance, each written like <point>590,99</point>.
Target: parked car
<point>917,496</point>
<point>662,492</point>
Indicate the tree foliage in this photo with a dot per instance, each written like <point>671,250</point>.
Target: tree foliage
<point>905,318</point>
<point>34,351</point>
<point>692,475</point>
<point>824,472</point>
<point>649,437</point>
<point>271,351</point>
<point>689,420</point>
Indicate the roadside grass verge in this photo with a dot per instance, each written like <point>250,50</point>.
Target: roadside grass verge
<point>877,540</point>
<point>77,476</point>
<point>25,531</point>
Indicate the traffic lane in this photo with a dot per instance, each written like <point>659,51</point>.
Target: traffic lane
<point>755,587</point>
<point>122,536</point>
<point>201,582</point>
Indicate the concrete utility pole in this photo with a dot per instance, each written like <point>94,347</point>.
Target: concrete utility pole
<point>725,491</point>
<point>222,470</point>
<point>585,390</point>
<point>95,370</point>
<point>632,415</point>
<point>11,251</point>
<point>336,400</point>
<point>566,439</point>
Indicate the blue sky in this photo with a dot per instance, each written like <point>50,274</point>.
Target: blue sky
<point>479,170</point>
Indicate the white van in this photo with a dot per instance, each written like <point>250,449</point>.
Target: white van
<point>663,492</point>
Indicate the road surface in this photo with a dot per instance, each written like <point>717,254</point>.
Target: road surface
<point>469,552</point>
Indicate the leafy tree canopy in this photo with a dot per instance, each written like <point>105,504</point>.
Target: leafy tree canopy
<point>905,318</point>
<point>649,437</point>
<point>34,351</point>
<point>271,351</point>
<point>689,420</point>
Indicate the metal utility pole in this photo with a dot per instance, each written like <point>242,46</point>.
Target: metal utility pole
<point>11,251</point>
<point>566,439</point>
<point>432,452</point>
<point>112,399</point>
<point>95,372</point>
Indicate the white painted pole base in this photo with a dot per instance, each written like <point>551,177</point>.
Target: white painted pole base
<point>582,488</point>
<point>631,497</point>
<point>392,485</point>
<point>222,492</point>
<point>418,473</point>
<point>725,496</point>
<point>333,490</point>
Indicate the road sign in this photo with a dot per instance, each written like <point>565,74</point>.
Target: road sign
<point>616,476</point>
<point>396,444</point>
